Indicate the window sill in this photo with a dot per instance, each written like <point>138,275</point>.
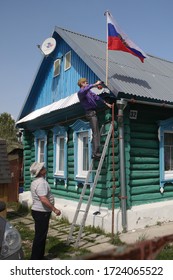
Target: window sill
<point>60,176</point>
<point>80,178</point>
<point>168,180</point>
<point>163,182</point>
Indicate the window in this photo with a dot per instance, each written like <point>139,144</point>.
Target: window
<point>82,149</point>
<point>40,154</point>
<point>83,154</point>
<point>40,145</point>
<point>59,163</point>
<point>166,152</point>
<point>57,64</point>
<point>60,152</point>
<point>67,64</point>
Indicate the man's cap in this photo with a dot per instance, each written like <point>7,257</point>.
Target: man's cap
<point>36,168</point>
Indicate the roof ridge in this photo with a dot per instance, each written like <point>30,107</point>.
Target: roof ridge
<point>160,58</point>
<point>99,40</point>
<point>77,33</point>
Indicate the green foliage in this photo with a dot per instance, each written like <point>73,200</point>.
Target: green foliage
<point>166,253</point>
<point>8,131</point>
<point>7,127</point>
<point>92,229</point>
<point>115,239</point>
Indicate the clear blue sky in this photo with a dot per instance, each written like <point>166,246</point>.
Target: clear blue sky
<point>26,23</point>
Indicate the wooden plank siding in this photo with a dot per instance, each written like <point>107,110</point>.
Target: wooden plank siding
<point>47,88</point>
<point>5,175</point>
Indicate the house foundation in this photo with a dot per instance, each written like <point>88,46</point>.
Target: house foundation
<point>138,217</point>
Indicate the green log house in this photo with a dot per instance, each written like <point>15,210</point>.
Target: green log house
<point>137,175</point>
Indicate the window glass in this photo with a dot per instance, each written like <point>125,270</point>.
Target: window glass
<point>41,150</point>
<point>40,139</point>
<point>83,158</point>
<point>57,67</point>
<point>168,151</point>
<point>82,138</point>
<point>60,155</point>
<point>60,138</point>
<point>67,61</point>
<point>85,153</point>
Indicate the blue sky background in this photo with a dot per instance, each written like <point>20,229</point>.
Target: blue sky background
<point>26,23</point>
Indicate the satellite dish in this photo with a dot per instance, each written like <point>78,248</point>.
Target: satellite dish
<point>48,46</point>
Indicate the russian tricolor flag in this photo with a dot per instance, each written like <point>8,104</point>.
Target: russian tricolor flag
<point>117,40</point>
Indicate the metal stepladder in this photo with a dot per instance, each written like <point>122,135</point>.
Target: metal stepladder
<point>86,183</point>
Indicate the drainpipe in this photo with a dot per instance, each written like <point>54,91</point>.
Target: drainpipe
<point>121,104</point>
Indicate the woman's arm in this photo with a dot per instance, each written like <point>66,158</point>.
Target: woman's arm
<point>47,203</point>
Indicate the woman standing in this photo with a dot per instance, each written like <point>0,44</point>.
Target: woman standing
<point>43,205</point>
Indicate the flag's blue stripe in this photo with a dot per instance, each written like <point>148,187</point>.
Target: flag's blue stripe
<point>112,31</point>
<point>138,53</point>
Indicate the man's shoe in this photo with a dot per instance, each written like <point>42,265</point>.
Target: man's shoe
<point>96,156</point>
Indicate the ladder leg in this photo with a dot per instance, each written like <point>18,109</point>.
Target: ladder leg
<point>91,192</point>
<point>79,203</point>
<point>93,188</point>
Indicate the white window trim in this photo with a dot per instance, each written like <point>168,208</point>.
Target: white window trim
<point>169,173</point>
<point>58,73</point>
<point>59,132</point>
<point>58,172</point>
<point>39,150</point>
<point>66,68</point>
<point>40,135</point>
<point>80,172</point>
<point>165,126</point>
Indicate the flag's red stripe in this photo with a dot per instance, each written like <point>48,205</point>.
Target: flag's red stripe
<point>115,43</point>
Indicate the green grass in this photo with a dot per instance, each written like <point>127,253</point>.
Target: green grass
<point>115,240</point>
<point>166,253</point>
<point>92,229</point>
<point>27,237</point>
<point>56,248</point>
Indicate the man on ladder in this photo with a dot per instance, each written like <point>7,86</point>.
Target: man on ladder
<point>88,100</point>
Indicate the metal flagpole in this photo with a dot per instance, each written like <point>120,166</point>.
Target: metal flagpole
<point>107,52</point>
<point>113,140</point>
<point>113,169</point>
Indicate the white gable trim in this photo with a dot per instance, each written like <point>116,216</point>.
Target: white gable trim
<point>61,104</point>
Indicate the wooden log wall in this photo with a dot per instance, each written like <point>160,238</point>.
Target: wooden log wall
<point>29,157</point>
<point>70,191</point>
<point>141,162</point>
<point>144,186</point>
<point>103,192</point>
